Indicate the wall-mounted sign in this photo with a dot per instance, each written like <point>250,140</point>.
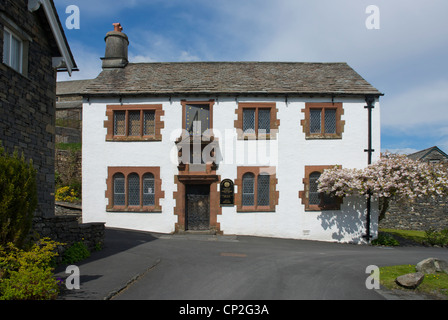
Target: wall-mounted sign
<point>226,193</point>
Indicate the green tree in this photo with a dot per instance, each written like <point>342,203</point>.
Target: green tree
<point>18,197</point>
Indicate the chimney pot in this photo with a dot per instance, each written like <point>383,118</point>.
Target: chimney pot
<point>117,43</point>
<point>117,27</point>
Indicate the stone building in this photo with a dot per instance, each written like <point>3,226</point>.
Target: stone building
<point>33,48</point>
<point>430,155</point>
<point>226,147</point>
<point>69,110</point>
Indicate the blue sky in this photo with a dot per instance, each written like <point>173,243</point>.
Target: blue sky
<point>406,58</point>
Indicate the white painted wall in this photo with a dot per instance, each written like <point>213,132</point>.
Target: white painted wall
<point>290,153</point>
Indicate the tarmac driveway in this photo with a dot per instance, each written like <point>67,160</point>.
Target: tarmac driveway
<point>143,266</point>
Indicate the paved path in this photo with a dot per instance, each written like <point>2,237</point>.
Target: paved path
<point>143,266</point>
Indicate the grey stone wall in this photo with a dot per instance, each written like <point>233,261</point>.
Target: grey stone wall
<point>27,102</point>
<point>69,166</point>
<point>68,135</point>
<point>68,230</point>
<point>421,215</point>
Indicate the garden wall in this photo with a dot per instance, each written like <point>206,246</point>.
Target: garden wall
<point>422,215</point>
<point>68,166</point>
<point>67,229</point>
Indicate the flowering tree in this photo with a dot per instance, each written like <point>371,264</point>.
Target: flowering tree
<point>392,177</point>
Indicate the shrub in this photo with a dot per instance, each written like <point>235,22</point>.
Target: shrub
<point>28,275</point>
<point>385,239</point>
<point>434,237</point>
<point>18,197</point>
<point>66,194</point>
<point>77,252</point>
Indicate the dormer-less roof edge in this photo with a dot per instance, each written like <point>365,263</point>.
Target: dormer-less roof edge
<point>230,93</point>
<point>68,62</point>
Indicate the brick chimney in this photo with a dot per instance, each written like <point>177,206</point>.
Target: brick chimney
<point>117,43</point>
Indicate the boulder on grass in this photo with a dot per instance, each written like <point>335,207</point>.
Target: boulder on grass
<point>432,265</point>
<point>410,280</point>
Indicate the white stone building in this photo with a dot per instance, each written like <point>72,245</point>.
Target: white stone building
<point>267,128</point>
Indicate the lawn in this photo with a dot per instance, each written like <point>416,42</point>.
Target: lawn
<point>432,283</point>
<point>414,235</point>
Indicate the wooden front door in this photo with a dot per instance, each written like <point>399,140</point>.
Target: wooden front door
<point>197,207</point>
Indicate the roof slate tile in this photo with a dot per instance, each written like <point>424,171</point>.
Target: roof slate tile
<point>230,78</point>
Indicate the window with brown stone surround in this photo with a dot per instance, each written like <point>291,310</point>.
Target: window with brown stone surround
<point>134,189</point>
<point>311,198</point>
<point>323,120</point>
<point>256,189</point>
<point>134,122</point>
<point>257,120</point>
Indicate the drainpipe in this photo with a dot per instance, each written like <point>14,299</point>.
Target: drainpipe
<point>370,100</point>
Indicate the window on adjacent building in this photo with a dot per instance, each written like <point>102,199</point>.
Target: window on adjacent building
<point>311,197</point>
<point>12,50</point>
<point>323,120</point>
<point>257,189</point>
<point>148,189</point>
<point>257,120</point>
<point>248,189</point>
<point>255,185</point>
<point>119,190</point>
<point>135,189</point>
<point>134,123</point>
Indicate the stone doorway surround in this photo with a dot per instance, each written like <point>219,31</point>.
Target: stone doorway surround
<point>191,178</point>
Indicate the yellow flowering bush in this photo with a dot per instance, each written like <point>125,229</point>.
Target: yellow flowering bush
<point>28,274</point>
<point>66,194</point>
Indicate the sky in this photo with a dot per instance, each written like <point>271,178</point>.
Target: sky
<point>401,48</point>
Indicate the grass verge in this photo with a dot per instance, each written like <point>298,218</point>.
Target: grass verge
<point>414,235</point>
<point>433,284</point>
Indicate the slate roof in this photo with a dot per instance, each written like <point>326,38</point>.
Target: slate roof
<point>72,87</point>
<point>419,155</point>
<point>230,78</point>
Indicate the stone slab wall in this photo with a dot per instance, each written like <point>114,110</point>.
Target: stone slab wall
<point>67,229</point>
<point>27,101</point>
<point>68,165</point>
<point>422,215</point>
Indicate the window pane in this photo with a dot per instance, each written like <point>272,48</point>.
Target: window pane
<point>134,123</point>
<point>330,120</point>
<point>315,120</point>
<point>148,190</point>
<point>264,121</point>
<point>248,189</point>
<point>263,190</point>
<point>6,47</point>
<point>149,125</point>
<point>16,54</point>
<point>133,190</point>
<point>313,194</point>
<point>119,123</point>
<point>249,120</point>
<point>119,192</point>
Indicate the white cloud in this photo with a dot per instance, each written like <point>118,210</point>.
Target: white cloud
<point>87,60</point>
<point>400,150</point>
<point>424,106</point>
<point>140,58</point>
